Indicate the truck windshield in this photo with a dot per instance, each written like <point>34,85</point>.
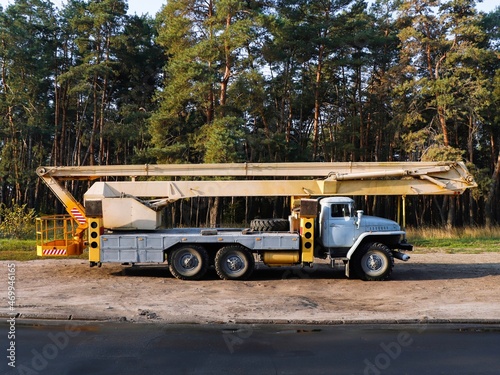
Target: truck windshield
<point>341,210</point>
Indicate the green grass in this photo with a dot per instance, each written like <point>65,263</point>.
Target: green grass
<point>471,240</point>
<point>23,250</point>
<point>17,249</point>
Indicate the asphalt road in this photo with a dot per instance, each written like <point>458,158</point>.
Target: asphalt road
<point>59,348</point>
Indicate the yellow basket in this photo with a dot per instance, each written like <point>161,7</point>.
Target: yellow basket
<point>55,236</point>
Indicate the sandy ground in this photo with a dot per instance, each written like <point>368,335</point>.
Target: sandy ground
<point>430,286</point>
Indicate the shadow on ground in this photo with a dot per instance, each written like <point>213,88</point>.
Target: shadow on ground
<point>402,271</point>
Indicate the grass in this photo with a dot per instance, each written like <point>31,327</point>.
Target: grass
<point>24,250</point>
<point>471,240</point>
<point>17,249</point>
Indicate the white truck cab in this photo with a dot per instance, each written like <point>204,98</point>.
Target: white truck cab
<point>368,243</point>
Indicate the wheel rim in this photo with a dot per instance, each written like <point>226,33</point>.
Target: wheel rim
<point>187,263</point>
<point>234,264</point>
<point>373,263</point>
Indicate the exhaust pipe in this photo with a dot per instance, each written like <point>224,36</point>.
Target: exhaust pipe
<point>400,256</point>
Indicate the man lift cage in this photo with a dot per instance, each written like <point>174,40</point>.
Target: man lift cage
<point>56,236</point>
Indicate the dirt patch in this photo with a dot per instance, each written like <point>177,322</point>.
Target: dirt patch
<point>429,286</point>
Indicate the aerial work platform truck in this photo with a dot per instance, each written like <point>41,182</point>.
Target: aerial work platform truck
<point>121,221</point>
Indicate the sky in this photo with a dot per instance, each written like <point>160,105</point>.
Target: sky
<point>153,6</point>
<point>134,6</point>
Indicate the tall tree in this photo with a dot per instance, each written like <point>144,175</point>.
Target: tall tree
<point>27,50</point>
<point>205,42</point>
<point>441,54</point>
<point>491,26</point>
<point>97,24</point>
<point>425,45</point>
<point>382,138</point>
<point>283,126</point>
<point>141,62</point>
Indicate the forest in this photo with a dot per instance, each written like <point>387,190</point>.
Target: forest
<point>216,81</point>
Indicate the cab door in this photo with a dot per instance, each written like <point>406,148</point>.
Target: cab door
<point>340,226</point>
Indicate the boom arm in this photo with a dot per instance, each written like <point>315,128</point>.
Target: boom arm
<point>302,169</point>
<point>253,179</point>
<point>72,206</point>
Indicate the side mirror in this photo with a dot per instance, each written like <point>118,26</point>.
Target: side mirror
<point>360,215</point>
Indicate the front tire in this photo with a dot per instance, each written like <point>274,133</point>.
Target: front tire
<point>188,262</point>
<point>234,263</point>
<point>374,262</point>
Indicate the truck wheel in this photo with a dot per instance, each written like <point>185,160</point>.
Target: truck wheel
<point>374,262</point>
<point>188,262</point>
<point>234,263</point>
<point>270,225</point>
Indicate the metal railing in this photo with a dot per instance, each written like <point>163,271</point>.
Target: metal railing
<point>55,236</point>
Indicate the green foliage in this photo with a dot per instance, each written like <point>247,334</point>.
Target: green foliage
<point>203,42</point>
<point>483,180</point>
<point>228,80</point>
<point>442,153</point>
<point>220,141</point>
<point>77,87</point>
<point>17,221</point>
<point>440,53</point>
<point>26,55</point>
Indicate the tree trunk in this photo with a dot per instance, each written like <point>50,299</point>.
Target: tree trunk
<point>317,101</point>
<point>442,122</point>
<point>228,63</point>
<point>214,212</point>
<point>490,201</point>
<point>451,218</point>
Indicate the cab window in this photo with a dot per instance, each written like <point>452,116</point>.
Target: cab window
<point>340,210</point>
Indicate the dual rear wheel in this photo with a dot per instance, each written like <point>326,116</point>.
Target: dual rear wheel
<point>191,262</point>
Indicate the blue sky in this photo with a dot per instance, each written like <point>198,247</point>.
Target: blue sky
<point>152,6</point>
<point>134,6</point>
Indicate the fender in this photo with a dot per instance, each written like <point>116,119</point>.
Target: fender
<point>360,239</point>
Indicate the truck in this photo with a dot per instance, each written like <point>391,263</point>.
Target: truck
<point>120,220</point>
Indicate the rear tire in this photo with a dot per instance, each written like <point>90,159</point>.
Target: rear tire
<point>188,262</point>
<point>374,262</point>
<point>270,225</point>
<point>234,263</point>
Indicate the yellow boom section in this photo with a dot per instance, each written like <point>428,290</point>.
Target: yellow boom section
<point>389,178</point>
<point>300,169</point>
<point>61,235</point>
<point>330,179</point>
